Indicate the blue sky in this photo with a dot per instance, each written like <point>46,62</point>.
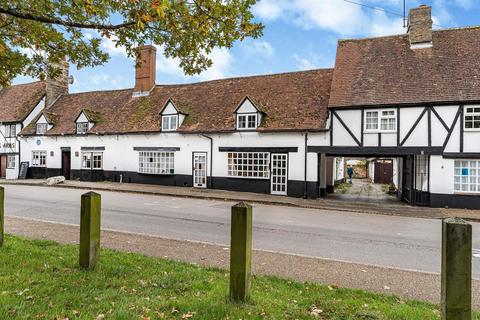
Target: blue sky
<point>299,35</point>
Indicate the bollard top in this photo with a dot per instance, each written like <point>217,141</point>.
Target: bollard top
<point>90,194</point>
<point>242,205</point>
<point>454,220</point>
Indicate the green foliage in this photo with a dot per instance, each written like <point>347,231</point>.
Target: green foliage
<point>187,30</point>
<point>41,280</point>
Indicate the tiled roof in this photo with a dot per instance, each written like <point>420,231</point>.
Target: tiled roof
<point>16,102</point>
<point>291,101</point>
<point>384,71</point>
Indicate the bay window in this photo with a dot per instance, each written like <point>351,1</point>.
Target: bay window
<point>467,176</point>
<point>249,164</point>
<point>156,162</point>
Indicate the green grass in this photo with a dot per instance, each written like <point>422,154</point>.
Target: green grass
<point>41,280</point>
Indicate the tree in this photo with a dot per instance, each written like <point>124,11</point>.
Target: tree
<point>31,30</point>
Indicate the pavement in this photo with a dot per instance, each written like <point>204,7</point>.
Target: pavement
<point>402,283</point>
<point>362,204</point>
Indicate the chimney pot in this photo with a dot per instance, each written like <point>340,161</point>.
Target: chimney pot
<point>145,70</point>
<point>420,27</point>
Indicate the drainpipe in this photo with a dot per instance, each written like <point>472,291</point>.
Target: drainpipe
<point>305,194</point>
<point>209,182</point>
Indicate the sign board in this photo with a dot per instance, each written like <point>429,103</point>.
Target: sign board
<point>22,173</point>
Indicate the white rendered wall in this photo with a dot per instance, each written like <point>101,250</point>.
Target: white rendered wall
<point>441,175</point>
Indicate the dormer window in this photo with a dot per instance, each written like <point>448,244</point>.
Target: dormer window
<point>82,127</point>
<point>247,121</point>
<point>41,128</point>
<point>170,122</point>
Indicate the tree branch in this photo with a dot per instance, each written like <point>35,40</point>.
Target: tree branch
<point>28,16</point>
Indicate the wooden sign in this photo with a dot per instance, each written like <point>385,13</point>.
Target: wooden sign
<point>22,173</point>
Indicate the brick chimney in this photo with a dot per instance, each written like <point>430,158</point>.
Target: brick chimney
<point>57,84</point>
<point>420,27</point>
<point>145,70</point>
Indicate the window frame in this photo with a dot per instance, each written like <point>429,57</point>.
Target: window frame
<point>8,132</point>
<point>170,116</point>
<point>92,155</point>
<point>237,164</point>
<point>37,125</point>
<point>77,124</point>
<point>474,113</point>
<point>459,174</point>
<point>9,161</point>
<point>162,163</point>
<point>34,158</point>
<point>247,121</point>
<point>381,117</point>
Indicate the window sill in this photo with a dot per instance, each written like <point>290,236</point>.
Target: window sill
<point>471,130</point>
<point>380,131</point>
<point>249,178</point>
<point>156,174</point>
<point>466,193</point>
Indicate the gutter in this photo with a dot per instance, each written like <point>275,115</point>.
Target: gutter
<point>209,182</point>
<point>305,185</point>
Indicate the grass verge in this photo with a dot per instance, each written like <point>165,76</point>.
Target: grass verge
<point>41,280</point>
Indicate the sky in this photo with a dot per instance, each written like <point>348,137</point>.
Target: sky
<point>298,35</point>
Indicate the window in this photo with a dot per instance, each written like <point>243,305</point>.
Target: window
<point>11,162</point>
<point>467,176</point>
<point>82,127</point>
<point>42,128</point>
<point>421,172</point>
<point>472,118</point>
<point>156,162</point>
<point>384,120</point>
<point>92,160</point>
<point>10,130</point>
<point>169,123</point>
<point>249,164</point>
<point>39,158</point>
<point>247,121</point>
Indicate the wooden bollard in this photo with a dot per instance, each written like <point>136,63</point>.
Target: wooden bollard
<point>241,252</point>
<point>456,276</point>
<point>90,230</point>
<point>2,215</point>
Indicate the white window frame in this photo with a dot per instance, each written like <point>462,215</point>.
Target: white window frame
<point>41,125</point>
<point>83,126</point>
<point>247,123</point>
<point>248,165</point>
<point>89,162</point>
<point>156,162</point>
<point>475,113</point>
<point>168,124</point>
<point>469,182</point>
<point>8,130</point>
<point>380,117</point>
<point>11,161</point>
<point>37,156</point>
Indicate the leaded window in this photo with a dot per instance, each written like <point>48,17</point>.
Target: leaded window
<point>249,164</point>
<point>82,127</point>
<point>467,176</point>
<point>39,158</point>
<point>156,162</point>
<point>41,128</point>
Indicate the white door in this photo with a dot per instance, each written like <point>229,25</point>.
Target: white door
<point>200,169</point>
<point>279,173</point>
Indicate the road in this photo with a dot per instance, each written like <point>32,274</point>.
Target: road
<point>398,242</point>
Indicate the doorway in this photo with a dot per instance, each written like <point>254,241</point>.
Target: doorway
<point>383,171</point>
<point>66,161</point>
<point>279,173</point>
<point>200,169</point>
<point>3,166</point>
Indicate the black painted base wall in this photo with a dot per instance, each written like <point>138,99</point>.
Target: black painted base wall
<point>455,201</point>
<point>294,188</point>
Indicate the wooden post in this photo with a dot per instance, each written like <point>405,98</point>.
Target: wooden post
<point>90,230</point>
<point>241,252</point>
<point>456,287</point>
<point>2,215</point>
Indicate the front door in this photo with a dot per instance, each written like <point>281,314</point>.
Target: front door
<point>279,173</point>
<point>200,169</point>
<point>3,165</point>
<point>66,164</point>
<point>383,171</point>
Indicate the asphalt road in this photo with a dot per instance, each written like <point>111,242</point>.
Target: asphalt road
<point>398,242</point>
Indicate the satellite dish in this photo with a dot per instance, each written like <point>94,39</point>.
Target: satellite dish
<point>71,79</point>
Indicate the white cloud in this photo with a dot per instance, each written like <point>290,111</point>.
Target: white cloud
<point>222,61</point>
<point>109,45</point>
<point>259,48</point>
<point>304,63</point>
<point>269,9</point>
